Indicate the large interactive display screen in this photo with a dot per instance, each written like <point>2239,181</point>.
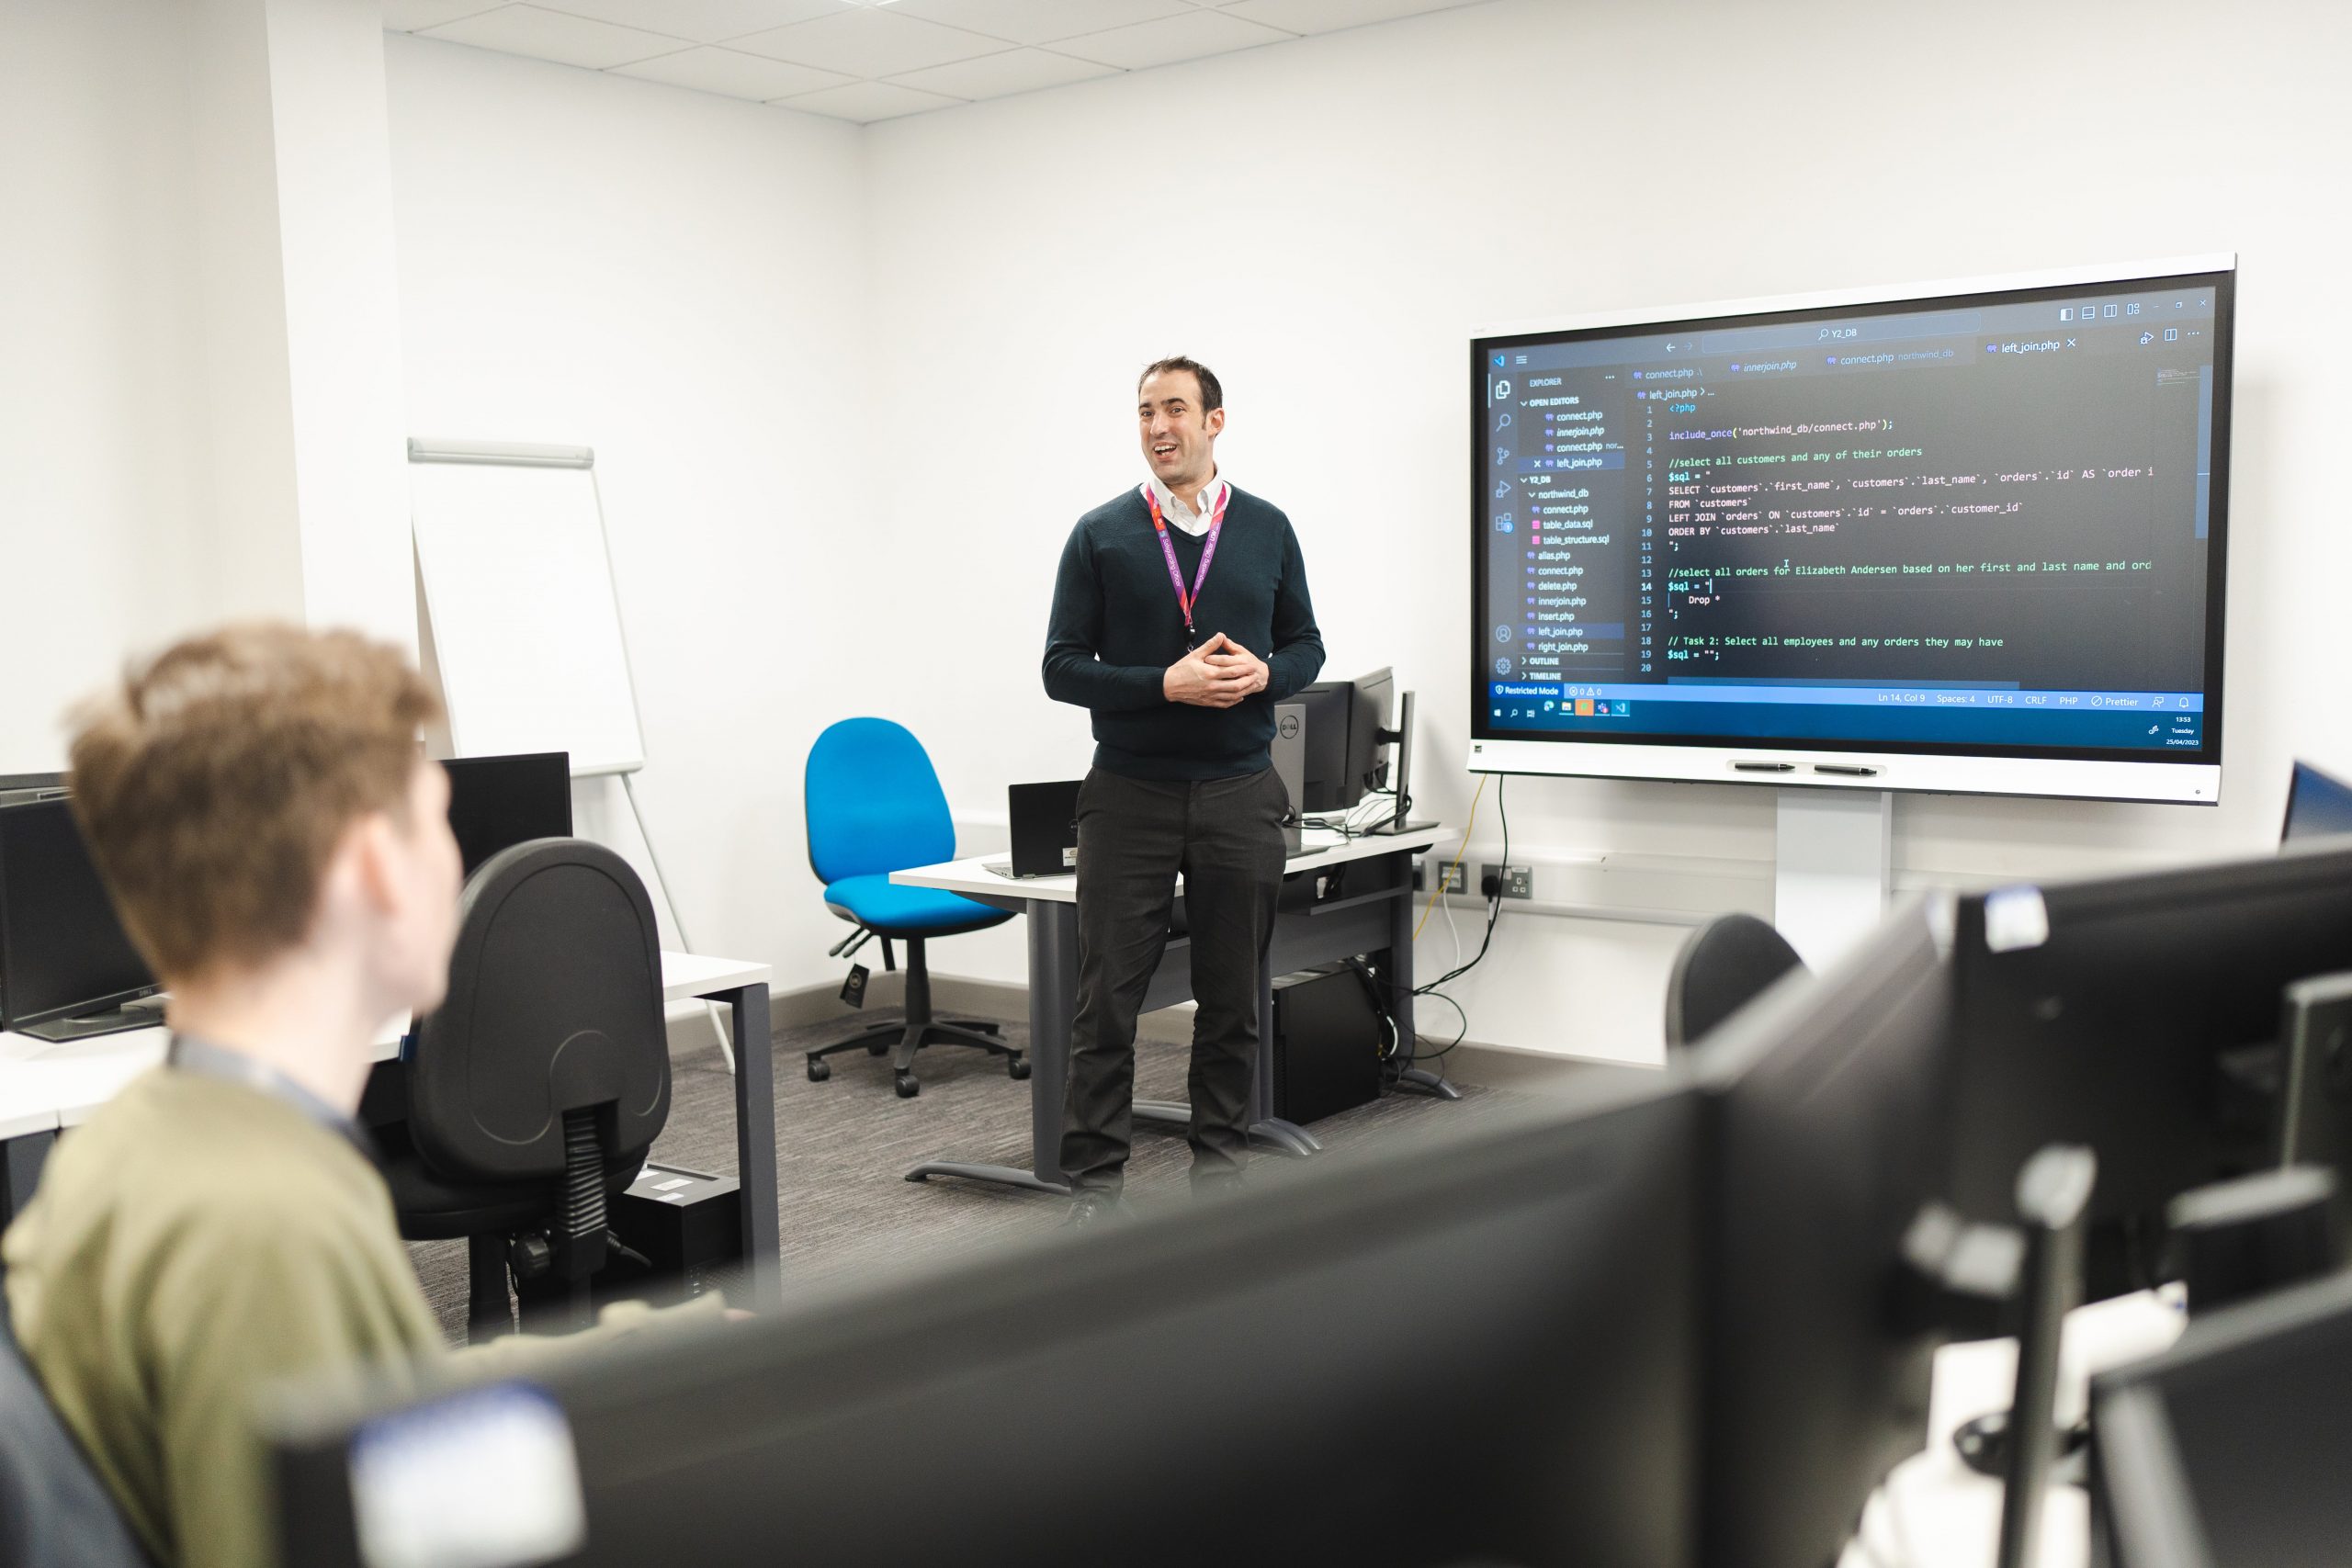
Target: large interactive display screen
<point>1968,538</point>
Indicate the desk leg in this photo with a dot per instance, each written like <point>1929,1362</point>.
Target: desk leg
<point>1399,969</point>
<point>1265,1127</point>
<point>20,1171</point>
<point>756,1141</point>
<point>1283,1137</point>
<point>1053,1009</point>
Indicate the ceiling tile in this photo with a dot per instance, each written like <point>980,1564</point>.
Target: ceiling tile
<point>1188,37</point>
<point>408,15</point>
<point>868,101</point>
<point>703,21</point>
<point>867,42</point>
<point>733,72</point>
<point>1001,75</point>
<point>1040,21</point>
<point>551,35</point>
<point>1329,15</point>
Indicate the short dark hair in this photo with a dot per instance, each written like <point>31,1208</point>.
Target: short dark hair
<point>1212,392</point>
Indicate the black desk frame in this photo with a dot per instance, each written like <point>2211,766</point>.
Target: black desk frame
<point>755,1140</point>
<point>1373,915</point>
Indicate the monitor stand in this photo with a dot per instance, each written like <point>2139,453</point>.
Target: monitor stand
<point>1833,863</point>
<point>90,1025</point>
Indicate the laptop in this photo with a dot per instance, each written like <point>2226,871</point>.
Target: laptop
<point>1045,830</point>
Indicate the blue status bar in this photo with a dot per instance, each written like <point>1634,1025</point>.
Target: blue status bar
<point>1862,696</point>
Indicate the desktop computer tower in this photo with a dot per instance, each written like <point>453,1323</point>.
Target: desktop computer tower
<point>1327,1043</point>
<point>688,1226</point>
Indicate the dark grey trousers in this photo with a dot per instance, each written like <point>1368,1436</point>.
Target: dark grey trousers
<point>1133,836</point>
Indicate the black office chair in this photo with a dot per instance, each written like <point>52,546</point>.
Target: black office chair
<point>1726,965</point>
<point>54,1511</point>
<point>536,1090</point>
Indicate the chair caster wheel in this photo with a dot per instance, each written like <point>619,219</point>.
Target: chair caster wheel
<point>908,1087</point>
<point>1016,1066</point>
<point>879,1048</point>
<point>819,1071</point>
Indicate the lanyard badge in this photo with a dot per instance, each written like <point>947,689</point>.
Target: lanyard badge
<point>1185,601</point>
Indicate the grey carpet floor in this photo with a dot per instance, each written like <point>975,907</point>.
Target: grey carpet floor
<point>843,1148</point>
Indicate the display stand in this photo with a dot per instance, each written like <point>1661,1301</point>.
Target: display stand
<point>1833,866</point>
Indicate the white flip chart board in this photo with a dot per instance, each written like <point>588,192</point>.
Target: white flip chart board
<point>518,591</point>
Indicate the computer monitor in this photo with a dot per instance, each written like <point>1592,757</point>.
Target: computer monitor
<point>1376,720</point>
<point>1472,1347</point>
<point>15,787</point>
<point>1888,538</point>
<point>498,802</point>
<point>66,964</point>
<point>2227,1450</point>
<point>1348,725</point>
<point>1825,1125</point>
<point>1371,697</point>
<point>1330,709</point>
<point>2317,804</point>
<point>2139,1016</point>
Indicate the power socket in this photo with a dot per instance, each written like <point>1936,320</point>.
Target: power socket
<point>1514,881</point>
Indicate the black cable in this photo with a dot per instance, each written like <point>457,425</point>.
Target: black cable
<point>1494,903</point>
<point>1447,1049</point>
<point>1494,912</point>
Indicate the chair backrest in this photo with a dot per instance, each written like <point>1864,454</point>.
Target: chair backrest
<point>873,802</point>
<point>1726,965</point>
<point>54,1511</point>
<point>554,1005</point>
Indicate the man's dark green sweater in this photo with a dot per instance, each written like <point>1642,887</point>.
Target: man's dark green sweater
<point>1116,627</point>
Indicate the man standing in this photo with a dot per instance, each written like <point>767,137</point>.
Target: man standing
<point>1181,617</point>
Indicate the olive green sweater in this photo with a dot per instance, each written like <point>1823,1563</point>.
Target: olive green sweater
<point>195,1240</point>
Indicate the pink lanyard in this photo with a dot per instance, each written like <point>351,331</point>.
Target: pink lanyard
<point>1184,601</point>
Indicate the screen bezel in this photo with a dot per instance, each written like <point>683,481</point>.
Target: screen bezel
<point>1942,768</point>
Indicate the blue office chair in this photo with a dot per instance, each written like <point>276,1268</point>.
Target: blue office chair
<point>874,806</point>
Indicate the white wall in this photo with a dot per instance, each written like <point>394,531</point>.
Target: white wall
<point>199,380</point>
<point>100,458</point>
<point>1327,222</point>
<point>332,147</point>
<point>675,279</point>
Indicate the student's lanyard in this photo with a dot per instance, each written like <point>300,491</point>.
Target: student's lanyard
<point>189,1055</point>
<point>1185,601</point>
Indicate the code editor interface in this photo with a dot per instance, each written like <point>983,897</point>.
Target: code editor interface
<point>1982,525</point>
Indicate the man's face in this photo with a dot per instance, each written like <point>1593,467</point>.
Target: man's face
<point>1179,439</point>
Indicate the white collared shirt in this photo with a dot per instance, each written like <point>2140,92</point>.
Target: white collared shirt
<point>1183,518</point>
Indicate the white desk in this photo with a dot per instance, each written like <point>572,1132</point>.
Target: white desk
<point>1318,848</point>
<point>46,1088</point>
<point>1935,1512</point>
<point>1373,915</point>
